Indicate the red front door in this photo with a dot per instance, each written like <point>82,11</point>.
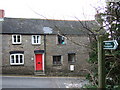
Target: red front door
<point>39,63</point>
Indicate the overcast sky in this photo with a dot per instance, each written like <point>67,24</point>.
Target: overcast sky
<point>51,9</point>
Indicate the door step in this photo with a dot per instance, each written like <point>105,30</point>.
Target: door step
<point>39,73</point>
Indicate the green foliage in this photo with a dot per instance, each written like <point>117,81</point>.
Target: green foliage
<point>89,86</point>
<point>112,57</point>
<point>116,87</point>
<point>93,57</point>
<point>93,53</point>
<point>112,67</point>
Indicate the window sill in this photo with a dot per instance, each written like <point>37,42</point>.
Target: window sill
<point>71,62</point>
<point>57,65</point>
<point>17,64</point>
<point>16,43</point>
<point>61,44</point>
<point>36,44</point>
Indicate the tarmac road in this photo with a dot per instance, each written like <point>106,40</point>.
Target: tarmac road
<point>42,82</point>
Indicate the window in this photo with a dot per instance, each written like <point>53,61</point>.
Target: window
<point>71,57</point>
<point>36,39</point>
<point>16,59</point>
<point>61,40</point>
<point>57,60</point>
<point>16,39</point>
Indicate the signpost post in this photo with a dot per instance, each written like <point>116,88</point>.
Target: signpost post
<point>110,45</point>
<point>101,64</point>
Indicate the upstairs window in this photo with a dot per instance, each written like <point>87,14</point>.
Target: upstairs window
<point>17,59</point>
<point>57,60</point>
<point>71,57</point>
<point>16,39</point>
<point>36,39</point>
<point>61,40</point>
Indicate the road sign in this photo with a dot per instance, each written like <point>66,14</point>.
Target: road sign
<point>110,44</point>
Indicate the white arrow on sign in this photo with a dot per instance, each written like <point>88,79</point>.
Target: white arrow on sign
<point>110,44</point>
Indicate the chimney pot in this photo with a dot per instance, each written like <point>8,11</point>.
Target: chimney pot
<point>1,13</point>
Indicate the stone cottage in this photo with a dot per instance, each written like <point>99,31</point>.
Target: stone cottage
<point>44,47</point>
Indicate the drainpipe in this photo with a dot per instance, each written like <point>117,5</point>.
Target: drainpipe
<point>45,53</point>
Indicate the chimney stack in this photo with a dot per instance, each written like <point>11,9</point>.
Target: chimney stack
<point>1,15</point>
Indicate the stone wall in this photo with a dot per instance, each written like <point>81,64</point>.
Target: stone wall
<point>29,55</point>
<point>82,53</point>
<point>52,48</point>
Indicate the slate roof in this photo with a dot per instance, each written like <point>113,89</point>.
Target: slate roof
<point>42,26</point>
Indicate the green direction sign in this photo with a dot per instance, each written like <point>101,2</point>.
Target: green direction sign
<point>110,44</point>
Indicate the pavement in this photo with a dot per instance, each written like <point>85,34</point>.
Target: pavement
<point>12,75</point>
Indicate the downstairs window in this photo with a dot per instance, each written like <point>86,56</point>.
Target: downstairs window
<point>71,57</point>
<point>57,60</point>
<point>17,59</point>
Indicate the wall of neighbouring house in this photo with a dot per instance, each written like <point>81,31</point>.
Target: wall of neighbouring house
<point>27,47</point>
<point>52,48</point>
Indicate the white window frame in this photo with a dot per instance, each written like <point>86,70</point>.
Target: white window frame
<point>36,41</point>
<point>18,54</point>
<point>16,39</point>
